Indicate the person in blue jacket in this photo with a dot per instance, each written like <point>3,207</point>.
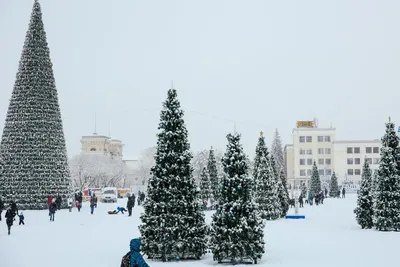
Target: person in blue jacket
<point>133,258</point>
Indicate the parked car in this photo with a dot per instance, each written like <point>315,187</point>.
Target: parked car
<point>109,194</point>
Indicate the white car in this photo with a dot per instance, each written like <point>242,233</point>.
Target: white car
<point>109,194</point>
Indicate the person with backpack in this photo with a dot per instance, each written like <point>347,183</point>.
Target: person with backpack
<point>133,258</point>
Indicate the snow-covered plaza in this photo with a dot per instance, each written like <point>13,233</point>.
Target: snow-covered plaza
<point>329,236</point>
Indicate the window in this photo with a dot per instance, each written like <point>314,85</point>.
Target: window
<point>368,150</point>
<point>349,150</point>
<point>327,151</point>
<point>328,172</point>
<point>328,161</point>
<point>302,139</point>
<point>309,172</point>
<point>320,151</point>
<point>320,161</point>
<point>321,172</point>
<point>357,172</point>
<point>357,161</point>
<point>309,161</point>
<point>93,149</point>
<point>320,139</point>
<point>302,162</point>
<point>376,150</point>
<point>302,151</point>
<point>349,171</point>
<point>309,151</point>
<point>349,161</point>
<point>356,150</point>
<point>376,160</point>
<point>327,138</point>
<point>302,172</point>
<point>369,160</point>
<point>309,139</point>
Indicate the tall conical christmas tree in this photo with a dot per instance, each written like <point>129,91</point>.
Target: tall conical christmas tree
<point>387,195</point>
<point>32,150</point>
<point>172,224</point>
<point>205,187</point>
<point>266,182</point>
<point>277,151</point>
<point>237,230</point>
<point>213,175</point>
<point>315,184</point>
<point>283,194</point>
<point>364,211</point>
<point>333,186</point>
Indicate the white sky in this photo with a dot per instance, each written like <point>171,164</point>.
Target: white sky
<point>262,63</point>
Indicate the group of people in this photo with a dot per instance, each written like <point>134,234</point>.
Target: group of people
<point>11,212</point>
<point>141,197</point>
<point>317,199</point>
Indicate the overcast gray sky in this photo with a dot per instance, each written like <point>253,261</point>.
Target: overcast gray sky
<point>262,63</point>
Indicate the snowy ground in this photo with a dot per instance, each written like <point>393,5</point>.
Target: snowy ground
<point>328,237</point>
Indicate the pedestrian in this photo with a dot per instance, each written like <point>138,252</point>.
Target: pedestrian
<point>49,200</point>
<point>21,219</point>
<point>95,200</point>
<point>9,219</point>
<point>53,209</point>
<point>142,197</point>
<point>58,202</point>
<point>78,199</point>
<point>14,207</point>
<point>69,203</point>
<point>322,197</point>
<point>133,257</point>
<point>310,198</point>
<point>130,204</point>
<point>92,204</point>
<point>301,201</point>
<point>343,193</point>
<point>326,192</point>
<point>1,206</point>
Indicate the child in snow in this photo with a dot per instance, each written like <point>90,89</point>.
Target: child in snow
<point>119,209</point>
<point>21,218</point>
<point>133,257</point>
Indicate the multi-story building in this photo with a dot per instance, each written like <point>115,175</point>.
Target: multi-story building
<point>101,144</point>
<point>345,158</point>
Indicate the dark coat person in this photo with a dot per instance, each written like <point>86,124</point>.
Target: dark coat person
<point>133,258</point>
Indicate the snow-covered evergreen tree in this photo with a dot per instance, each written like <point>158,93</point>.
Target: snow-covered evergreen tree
<point>277,151</point>
<point>213,176</point>
<point>364,211</point>
<point>32,149</point>
<point>237,229</point>
<point>303,189</point>
<point>333,186</point>
<point>387,195</point>
<point>315,184</point>
<point>283,194</point>
<point>205,187</point>
<point>172,224</point>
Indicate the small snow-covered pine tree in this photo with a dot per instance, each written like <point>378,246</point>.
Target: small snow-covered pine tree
<point>205,187</point>
<point>277,151</point>
<point>213,176</point>
<point>237,229</point>
<point>173,224</point>
<point>32,150</point>
<point>364,211</point>
<point>333,186</point>
<point>387,195</point>
<point>315,184</point>
<point>283,194</point>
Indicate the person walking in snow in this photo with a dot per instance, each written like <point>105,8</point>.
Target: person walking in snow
<point>21,219</point>
<point>343,193</point>
<point>130,204</point>
<point>49,200</point>
<point>58,202</point>
<point>301,203</point>
<point>133,258</point>
<point>142,197</point>
<point>53,209</point>
<point>310,198</point>
<point>69,203</point>
<point>78,199</point>
<point>9,219</point>
<point>92,203</point>
<point>322,197</point>
<point>1,207</point>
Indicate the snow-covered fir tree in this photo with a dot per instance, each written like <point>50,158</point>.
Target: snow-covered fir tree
<point>333,186</point>
<point>315,184</point>
<point>205,187</point>
<point>213,176</point>
<point>280,180</point>
<point>364,211</point>
<point>303,188</point>
<point>32,149</point>
<point>277,151</point>
<point>172,224</point>
<point>237,229</point>
<point>266,181</point>
<point>387,195</point>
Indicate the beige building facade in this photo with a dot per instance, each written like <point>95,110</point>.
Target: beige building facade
<point>345,158</point>
<point>101,144</point>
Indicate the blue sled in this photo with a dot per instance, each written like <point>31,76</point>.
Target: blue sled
<point>295,217</point>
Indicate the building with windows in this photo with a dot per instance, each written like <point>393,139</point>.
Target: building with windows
<point>101,144</point>
<point>345,158</point>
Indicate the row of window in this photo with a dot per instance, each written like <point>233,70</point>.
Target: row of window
<point>357,161</point>
<point>307,172</point>
<point>368,150</point>
<point>308,139</point>
<point>321,151</point>
<point>354,172</point>
<point>310,161</point>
